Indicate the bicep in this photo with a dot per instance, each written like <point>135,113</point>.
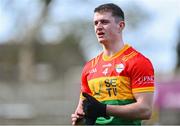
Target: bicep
<point>141,109</point>
<point>145,99</point>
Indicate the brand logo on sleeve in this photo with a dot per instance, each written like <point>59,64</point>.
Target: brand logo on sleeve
<point>94,70</point>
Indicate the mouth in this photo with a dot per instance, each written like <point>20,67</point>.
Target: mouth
<point>100,34</point>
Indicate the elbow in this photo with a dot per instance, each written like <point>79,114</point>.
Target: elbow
<point>146,114</point>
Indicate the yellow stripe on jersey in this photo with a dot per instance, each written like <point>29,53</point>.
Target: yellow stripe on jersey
<point>144,89</point>
<point>81,96</point>
<point>111,88</point>
<point>95,61</point>
<point>108,58</point>
<point>129,56</point>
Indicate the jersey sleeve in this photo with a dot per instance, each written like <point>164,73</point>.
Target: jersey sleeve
<point>142,76</point>
<point>84,84</point>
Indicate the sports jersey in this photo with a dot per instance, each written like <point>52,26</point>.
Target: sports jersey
<point>114,80</point>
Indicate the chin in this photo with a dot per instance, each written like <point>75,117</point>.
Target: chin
<point>102,41</point>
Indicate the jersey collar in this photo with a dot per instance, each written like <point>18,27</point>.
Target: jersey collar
<point>108,58</point>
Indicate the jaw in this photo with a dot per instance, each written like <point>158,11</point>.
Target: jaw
<point>102,38</point>
<point>103,41</point>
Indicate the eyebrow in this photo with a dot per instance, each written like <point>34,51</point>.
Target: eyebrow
<point>102,21</point>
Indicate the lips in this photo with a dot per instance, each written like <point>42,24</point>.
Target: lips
<point>100,34</point>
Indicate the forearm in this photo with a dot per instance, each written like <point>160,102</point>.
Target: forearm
<point>79,109</point>
<point>130,111</point>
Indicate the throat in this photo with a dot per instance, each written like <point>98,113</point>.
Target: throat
<point>112,50</point>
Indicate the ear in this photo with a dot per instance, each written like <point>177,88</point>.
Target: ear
<point>121,25</point>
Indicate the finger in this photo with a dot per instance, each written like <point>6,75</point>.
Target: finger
<point>74,119</point>
<point>74,122</point>
<point>81,114</point>
<point>74,116</point>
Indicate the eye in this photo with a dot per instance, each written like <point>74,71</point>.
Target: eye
<point>96,22</point>
<point>104,21</point>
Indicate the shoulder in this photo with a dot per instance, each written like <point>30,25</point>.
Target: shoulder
<point>141,72</point>
<point>138,62</point>
<point>138,57</point>
<point>92,63</point>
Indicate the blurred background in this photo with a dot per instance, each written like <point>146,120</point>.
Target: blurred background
<point>45,43</point>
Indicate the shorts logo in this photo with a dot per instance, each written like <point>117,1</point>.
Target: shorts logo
<point>119,68</point>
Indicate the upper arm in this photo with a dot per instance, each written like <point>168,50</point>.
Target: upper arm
<point>145,103</point>
<point>143,82</point>
<point>84,83</point>
<point>145,99</point>
<point>142,76</point>
<point>141,109</point>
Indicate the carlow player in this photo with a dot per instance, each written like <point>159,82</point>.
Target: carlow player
<point>117,86</point>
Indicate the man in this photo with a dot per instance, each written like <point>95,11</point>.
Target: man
<point>117,85</point>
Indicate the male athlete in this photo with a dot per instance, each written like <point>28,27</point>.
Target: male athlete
<point>117,86</point>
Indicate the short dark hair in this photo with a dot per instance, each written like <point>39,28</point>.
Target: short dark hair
<point>110,7</point>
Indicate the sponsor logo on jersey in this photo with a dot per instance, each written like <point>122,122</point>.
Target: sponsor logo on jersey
<point>119,68</point>
<point>94,70</point>
<point>146,79</point>
<point>107,65</point>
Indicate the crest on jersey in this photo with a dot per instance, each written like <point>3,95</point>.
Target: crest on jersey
<point>119,68</point>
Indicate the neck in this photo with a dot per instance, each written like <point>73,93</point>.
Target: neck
<point>111,48</point>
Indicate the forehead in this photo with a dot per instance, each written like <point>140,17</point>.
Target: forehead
<point>102,15</point>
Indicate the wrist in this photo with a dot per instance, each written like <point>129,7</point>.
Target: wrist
<point>104,106</point>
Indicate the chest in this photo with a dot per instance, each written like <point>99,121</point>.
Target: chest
<point>109,80</point>
<point>108,69</point>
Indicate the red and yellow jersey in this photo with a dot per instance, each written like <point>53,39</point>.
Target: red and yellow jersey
<point>114,80</point>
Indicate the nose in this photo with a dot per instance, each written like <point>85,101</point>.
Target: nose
<point>99,26</point>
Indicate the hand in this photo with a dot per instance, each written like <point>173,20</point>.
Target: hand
<point>77,118</point>
<point>93,109</point>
